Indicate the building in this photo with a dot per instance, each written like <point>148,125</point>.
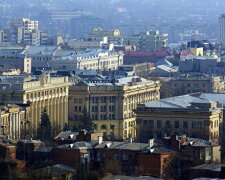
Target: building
<point>207,171</point>
<point>190,115</point>
<point>15,120</point>
<point>200,64</point>
<point>74,155</point>
<point>110,103</point>
<point>153,41</point>
<point>39,92</point>
<point>96,59</point>
<point>192,83</point>
<point>25,31</point>
<point>222,29</point>
<point>21,62</point>
<point>133,158</point>
<point>195,150</point>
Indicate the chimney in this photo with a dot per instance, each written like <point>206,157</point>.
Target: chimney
<point>100,139</point>
<point>130,140</point>
<point>151,142</point>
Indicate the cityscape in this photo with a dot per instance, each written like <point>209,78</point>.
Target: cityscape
<point>112,90</point>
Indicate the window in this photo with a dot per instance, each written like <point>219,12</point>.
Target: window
<point>167,124</point>
<point>112,99</point>
<point>94,99</point>
<point>177,124</point>
<point>75,100</point>
<point>111,108</point>
<point>103,127</point>
<point>159,124</point>
<point>103,108</point>
<point>79,108</point>
<point>145,122</point>
<point>103,99</point>
<point>94,108</point>
<point>151,124</point>
<point>75,108</point>
<point>196,125</point>
<point>185,125</point>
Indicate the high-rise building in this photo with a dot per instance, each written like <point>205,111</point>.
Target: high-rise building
<point>25,31</point>
<point>222,29</point>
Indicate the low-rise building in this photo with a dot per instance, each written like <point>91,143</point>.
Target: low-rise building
<point>15,121</point>
<point>190,115</point>
<point>199,64</point>
<point>110,103</point>
<point>133,158</point>
<point>192,83</point>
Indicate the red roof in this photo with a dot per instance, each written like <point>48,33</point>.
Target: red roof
<point>186,53</point>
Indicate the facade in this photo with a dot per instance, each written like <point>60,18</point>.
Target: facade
<point>25,31</point>
<point>110,103</point>
<point>192,83</point>
<point>15,121</point>
<point>222,29</point>
<point>190,115</point>
<point>45,91</point>
<point>152,41</point>
<point>97,59</point>
<point>133,158</point>
<point>8,62</point>
<point>199,64</point>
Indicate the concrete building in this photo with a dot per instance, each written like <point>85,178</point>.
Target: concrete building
<point>21,62</point>
<point>192,83</point>
<point>190,115</point>
<point>152,41</point>
<point>110,103</point>
<point>39,92</point>
<point>25,31</point>
<point>222,29</point>
<point>200,64</point>
<point>15,120</point>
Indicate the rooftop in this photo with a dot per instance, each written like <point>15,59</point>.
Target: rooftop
<point>210,167</point>
<point>185,101</point>
<point>77,145</point>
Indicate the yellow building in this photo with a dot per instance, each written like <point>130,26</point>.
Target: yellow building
<point>111,103</point>
<point>15,121</point>
<point>197,51</point>
<point>196,117</point>
<point>39,92</point>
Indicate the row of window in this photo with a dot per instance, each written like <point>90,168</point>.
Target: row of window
<point>45,93</point>
<point>189,85</point>
<point>103,99</point>
<point>103,108</point>
<point>175,124</point>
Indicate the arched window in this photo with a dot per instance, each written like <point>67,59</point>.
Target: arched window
<point>103,126</point>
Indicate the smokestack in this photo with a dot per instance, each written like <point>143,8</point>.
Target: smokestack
<point>151,142</point>
<point>100,139</point>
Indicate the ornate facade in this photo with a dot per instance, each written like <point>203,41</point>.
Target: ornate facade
<point>46,91</point>
<point>111,104</point>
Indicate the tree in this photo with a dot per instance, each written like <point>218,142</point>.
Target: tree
<point>44,132</point>
<point>87,121</point>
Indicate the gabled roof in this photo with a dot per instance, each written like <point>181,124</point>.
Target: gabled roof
<point>163,62</point>
<point>77,145</point>
<point>195,142</point>
<point>67,135</point>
